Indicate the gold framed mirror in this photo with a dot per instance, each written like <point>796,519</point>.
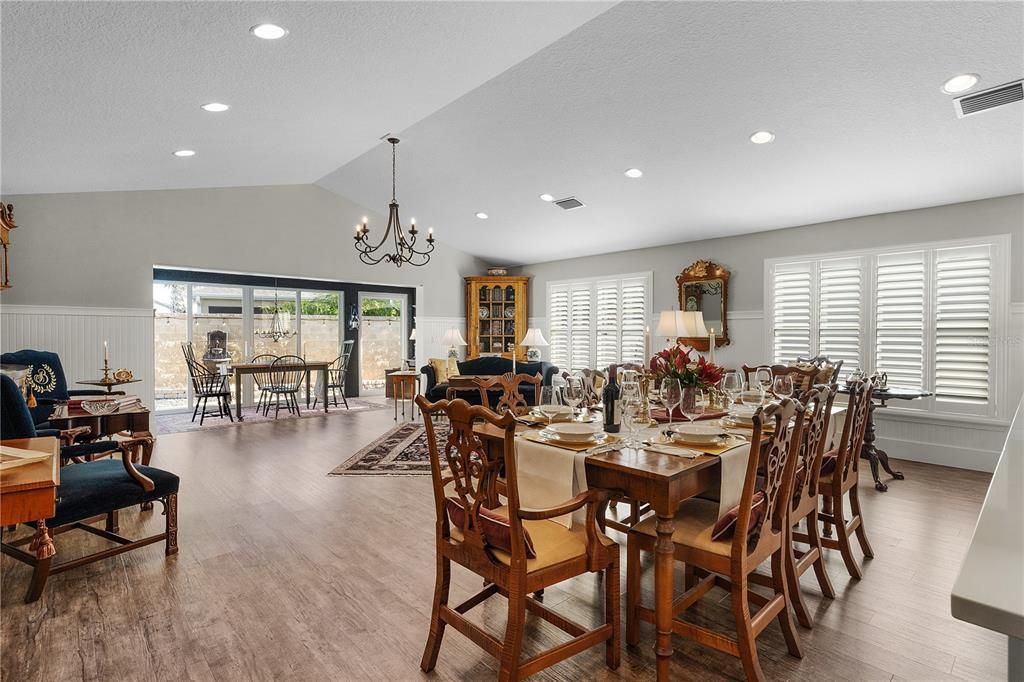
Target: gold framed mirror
<point>704,287</point>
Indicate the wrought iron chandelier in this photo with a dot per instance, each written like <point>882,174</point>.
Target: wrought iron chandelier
<point>405,250</point>
<point>280,324</point>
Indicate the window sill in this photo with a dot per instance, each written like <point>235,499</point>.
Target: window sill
<point>979,422</point>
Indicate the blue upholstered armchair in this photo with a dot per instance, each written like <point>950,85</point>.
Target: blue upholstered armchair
<point>46,380</point>
<point>488,366</point>
<point>87,490</point>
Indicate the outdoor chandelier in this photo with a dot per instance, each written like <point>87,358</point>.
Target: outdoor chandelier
<point>404,246</point>
<point>280,324</point>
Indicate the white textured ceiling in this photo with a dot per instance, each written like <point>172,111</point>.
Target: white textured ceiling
<point>97,95</point>
<point>852,91</point>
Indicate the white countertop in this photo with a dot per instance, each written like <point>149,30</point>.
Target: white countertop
<point>989,591</point>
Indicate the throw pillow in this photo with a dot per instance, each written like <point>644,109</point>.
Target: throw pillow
<point>726,525</point>
<point>443,368</point>
<point>496,529</point>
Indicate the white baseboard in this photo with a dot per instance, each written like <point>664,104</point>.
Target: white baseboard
<point>940,453</point>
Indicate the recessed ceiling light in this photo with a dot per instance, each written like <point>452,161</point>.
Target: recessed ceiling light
<point>762,137</point>
<point>633,172</point>
<point>961,83</point>
<point>268,31</point>
<point>185,152</point>
<point>546,197</point>
<point>482,216</point>
<point>215,107</point>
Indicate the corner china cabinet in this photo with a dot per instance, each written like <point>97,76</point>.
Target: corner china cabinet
<point>496,316</point>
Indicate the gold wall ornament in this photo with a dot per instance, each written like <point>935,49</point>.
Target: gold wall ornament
<point>704,286</point>
<point>6,225</point>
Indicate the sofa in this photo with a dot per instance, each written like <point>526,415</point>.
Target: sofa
<point>487,366</point>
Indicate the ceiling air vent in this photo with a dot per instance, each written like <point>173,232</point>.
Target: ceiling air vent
<point>977,102</point>
<point>569,203</point>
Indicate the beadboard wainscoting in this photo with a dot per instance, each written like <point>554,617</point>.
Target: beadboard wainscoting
<point>77,335</point>
<point>429,331</point>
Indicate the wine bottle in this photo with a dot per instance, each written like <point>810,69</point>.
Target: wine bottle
<point>612,408</point>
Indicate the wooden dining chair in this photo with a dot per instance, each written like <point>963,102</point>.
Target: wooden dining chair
<point>823,362</point>
<point>817,413</point>
<point>803,377</point>
<point>839,478</point>
<point>286,375</point>
<point>518,552</point>
<point>511,399</point>
<point>760,533</point>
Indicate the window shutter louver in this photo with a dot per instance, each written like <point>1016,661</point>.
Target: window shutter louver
<point>607,342</point>
<point>634,321</point>
<point>580,326</point>
<point>899,318</point>
<point>840,316</point>
<point>558,324</point>
<point>791,311</point>
<point>963,279</point>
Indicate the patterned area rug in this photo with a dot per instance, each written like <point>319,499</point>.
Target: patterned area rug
<point>401,451</point>
<point>181,422</point>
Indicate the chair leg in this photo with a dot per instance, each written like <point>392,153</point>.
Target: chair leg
<point>441,583</point>
<point>634,512</point>
<point>111,525</point>
<point>745,639</point>
<point>171,510</point>
<point>824,582</point>
<point>793,584</point>
<point>343,398</point>
<point>195,412</point>
<point>39,575</point>
<point>826,506</point>
<point>632,590</point>
<point>227,408</point>
<point>862,534</point>
<point>513,644</point>
<point>780,584</point>
<point>295,401</point>
<point>277,408</point>
<point>612,646</point>
<point>843,538</point>
<point>202,413</point>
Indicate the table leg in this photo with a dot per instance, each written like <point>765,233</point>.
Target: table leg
<point>307,389</point>
<point>324,376</point>
<point>394,391</point>
<point>664,559</point>
<point>238,395</point>
<point>876,456</point>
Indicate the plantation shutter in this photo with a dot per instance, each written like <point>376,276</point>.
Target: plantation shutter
<point>963,279</point>
<point>608,329</point>
<point>900,317</point>
<point>634,320</point>
<point>840,311</point>
<point>791,311</point>
<point>580,326</point>
<point>558,323</point>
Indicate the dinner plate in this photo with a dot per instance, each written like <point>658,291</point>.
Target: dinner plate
<point>697,433</point>
<point>575,432</point>
<point>598,438</point>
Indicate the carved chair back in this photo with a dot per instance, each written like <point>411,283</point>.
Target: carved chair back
<point>852,441</point>
<point>823,362</point>
<point>817,413</point>
<point>510,400</point>
<point>778,466</point>
<point>464,470</point>
<point>803,378</point>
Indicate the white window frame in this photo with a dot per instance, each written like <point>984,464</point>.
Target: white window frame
<point>996,409</point>
<point>592,282</point>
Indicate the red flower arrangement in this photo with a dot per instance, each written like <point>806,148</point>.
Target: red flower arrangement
<point>691,371</point>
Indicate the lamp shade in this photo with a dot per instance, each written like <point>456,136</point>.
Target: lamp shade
<point>533,338</point>
<point>691,324</point>
<point>412,337</point>
<point>453,337</point>
<point>667,325</point>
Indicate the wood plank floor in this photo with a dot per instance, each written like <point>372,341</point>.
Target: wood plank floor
<point>286,573</point>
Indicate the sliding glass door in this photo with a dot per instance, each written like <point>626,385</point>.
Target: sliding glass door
<point>382,338</point>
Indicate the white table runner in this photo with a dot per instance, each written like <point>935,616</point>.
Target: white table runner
<point>549,476</point>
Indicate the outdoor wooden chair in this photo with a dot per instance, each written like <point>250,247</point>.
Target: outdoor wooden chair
<point>511,399</point>
<point>839,480</point>
<point>517,552</point>
<point>761,532</point>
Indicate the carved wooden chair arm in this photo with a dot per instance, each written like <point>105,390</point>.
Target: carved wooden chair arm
<point>551,512</point>
<point>127,448</point>
<point>69,436</point>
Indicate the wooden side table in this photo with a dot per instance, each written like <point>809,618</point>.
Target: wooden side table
<point>399,381</point>
<point>29,493</point>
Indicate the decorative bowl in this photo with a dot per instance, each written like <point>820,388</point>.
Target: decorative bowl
<point>497,272</point>
<point>510,311</point>
<point>484,313</point>
<point>123,375</point>
<point>99,407</point>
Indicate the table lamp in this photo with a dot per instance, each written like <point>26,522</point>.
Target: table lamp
<point>451,339</point>
<point>667,327</point>
<point>533,341</point>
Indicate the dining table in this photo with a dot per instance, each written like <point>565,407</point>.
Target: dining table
<point>240,369</point>
<point>661,480</point>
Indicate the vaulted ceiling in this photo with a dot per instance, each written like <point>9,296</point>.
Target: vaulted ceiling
<point>497,103</point>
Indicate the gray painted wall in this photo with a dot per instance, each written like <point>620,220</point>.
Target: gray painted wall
<point>744,255</point>
<point>99,249</point>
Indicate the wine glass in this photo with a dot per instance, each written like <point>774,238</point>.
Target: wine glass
<point>753,394</point>
<point>763,376</point>
<point>671,395</point>
<point>551,402</point>
<point>695,401</point>
<point>782,387</point>
<point>732,386</point>
<point>573,393</point>
<point>632,417</point>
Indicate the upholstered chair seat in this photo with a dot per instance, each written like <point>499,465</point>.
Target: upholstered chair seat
<point>94,488</point>
<point>695,522</point>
